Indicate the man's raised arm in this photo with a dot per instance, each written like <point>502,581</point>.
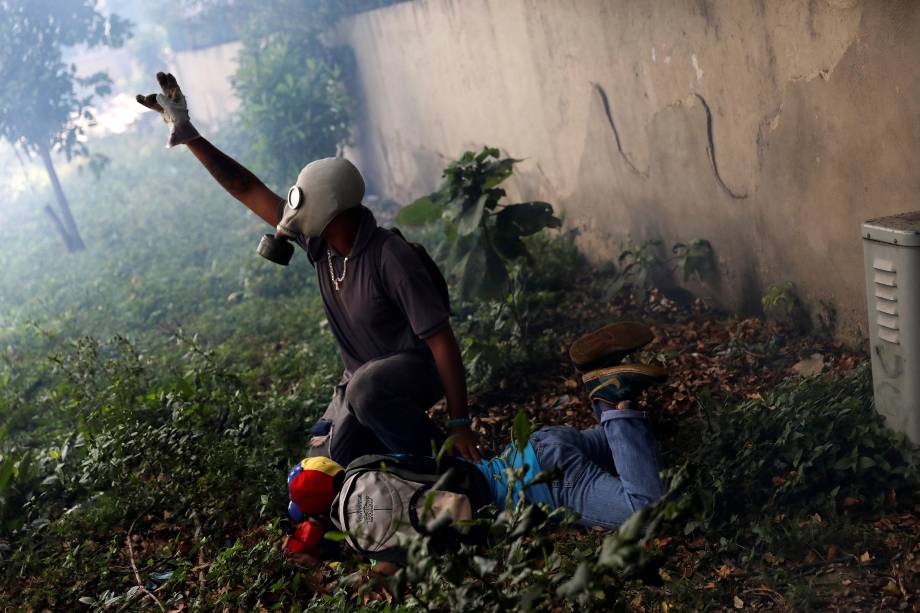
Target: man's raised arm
<point>238,180</point>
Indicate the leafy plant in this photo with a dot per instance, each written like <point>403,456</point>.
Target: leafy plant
<point>638,265</point>
<point>782,303</point>
<point>695,259</point>
<point>483,234</point>
<point>643,266</point>
<point>503,334</point>
<point>826,317</point>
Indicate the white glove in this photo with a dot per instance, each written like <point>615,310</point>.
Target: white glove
<point>173,109</point>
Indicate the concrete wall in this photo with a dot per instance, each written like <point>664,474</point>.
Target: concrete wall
<point>204,75</point>
<point>771,128</point>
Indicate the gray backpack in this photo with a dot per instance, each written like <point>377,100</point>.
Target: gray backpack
<point>387,499</point>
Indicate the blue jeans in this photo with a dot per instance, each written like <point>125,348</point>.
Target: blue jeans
<point>624,441</point>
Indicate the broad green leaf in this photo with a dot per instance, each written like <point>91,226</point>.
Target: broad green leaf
<point>487,152</point>
<point>454,208</point>
<point>484,566</point>
<point>482,272</point>
<point>498,172</point>
<point>578,583</point>
<point>494,277</point>
<point>509,245</point>
<point>527,218</point>
<point>521,430</point>
<point>469,218</point>
<point>446,447</point>
<point>6,471</point>
<point>419,213</point>
<point>335,535</point>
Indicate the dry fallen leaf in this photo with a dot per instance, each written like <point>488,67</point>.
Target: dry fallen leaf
<point>773,559</point>
<point>865,557</point>
<point>739,604</point>
<point>810,366</point>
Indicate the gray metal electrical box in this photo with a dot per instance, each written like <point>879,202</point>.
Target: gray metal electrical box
<point>891,248</point>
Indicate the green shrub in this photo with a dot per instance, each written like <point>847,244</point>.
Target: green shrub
<point>293,104</point>
<point>482,234</point>
<point>806,447</point>
<point>643,267</point>
<point>524,568</point>
<point>501,335</point>
<point>782,303</point>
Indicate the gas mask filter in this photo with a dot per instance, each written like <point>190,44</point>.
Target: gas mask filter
<point>276,249</point>
<point>324,188</point>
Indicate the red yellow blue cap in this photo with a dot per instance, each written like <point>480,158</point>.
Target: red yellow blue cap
<point>310,484</point>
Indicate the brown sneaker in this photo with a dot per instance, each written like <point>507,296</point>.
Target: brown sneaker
<point>608,346</point>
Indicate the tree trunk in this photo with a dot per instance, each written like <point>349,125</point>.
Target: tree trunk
<point>74,240</point>
<point>59,226</point>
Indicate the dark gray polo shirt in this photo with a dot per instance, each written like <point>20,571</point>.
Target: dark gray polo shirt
<point>387,302</point>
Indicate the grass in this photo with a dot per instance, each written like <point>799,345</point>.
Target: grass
<point>155,389</point>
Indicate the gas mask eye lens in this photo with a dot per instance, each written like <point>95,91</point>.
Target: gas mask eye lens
<point>295,197</point>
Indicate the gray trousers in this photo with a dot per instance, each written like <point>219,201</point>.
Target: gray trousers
<point>382,409</point>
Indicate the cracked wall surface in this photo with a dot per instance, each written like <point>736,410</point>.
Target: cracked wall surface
<point>772,128</point>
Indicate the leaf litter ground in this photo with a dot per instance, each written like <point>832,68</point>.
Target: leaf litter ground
<point>872,563</point>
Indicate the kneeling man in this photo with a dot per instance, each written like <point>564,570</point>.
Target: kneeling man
<point>622,440</point>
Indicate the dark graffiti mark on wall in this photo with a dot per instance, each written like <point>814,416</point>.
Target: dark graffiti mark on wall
<point>616,134</point>
<point>710,147</point>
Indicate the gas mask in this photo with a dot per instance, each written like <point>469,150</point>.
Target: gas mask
<point>324,189</point>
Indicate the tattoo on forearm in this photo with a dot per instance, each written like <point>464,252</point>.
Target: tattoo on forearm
<point>232,175</point>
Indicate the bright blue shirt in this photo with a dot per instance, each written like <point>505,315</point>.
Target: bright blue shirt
<point>494,470</point>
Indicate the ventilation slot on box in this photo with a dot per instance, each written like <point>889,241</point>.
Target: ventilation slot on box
<point>886,300</point>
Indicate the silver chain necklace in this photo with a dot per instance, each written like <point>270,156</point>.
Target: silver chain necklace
<point>336,280</point>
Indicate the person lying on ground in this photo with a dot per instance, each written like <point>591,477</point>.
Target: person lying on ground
<point>582,459</point>
<point>390,321</point>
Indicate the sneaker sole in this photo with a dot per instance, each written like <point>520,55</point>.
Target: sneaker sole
<point>611,341</point>
<point>654,373</point>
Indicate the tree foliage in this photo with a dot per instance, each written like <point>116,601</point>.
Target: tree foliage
<point>295,107</point>
<point>43,99</point>
<point>43,103</point>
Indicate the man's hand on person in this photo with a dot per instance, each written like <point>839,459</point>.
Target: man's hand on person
<point>465,443</point>
<point>172,107</point>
